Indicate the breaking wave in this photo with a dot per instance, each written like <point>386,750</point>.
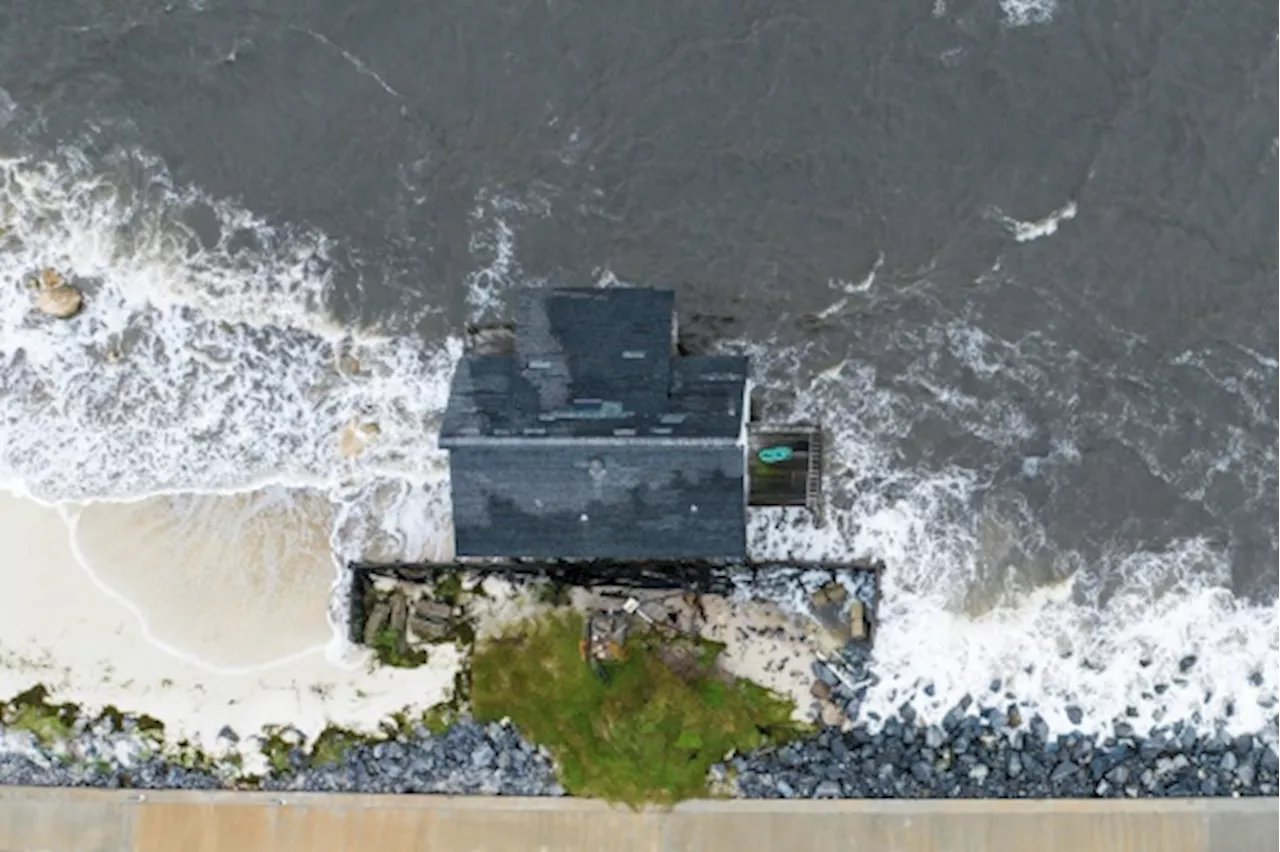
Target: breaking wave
<point>206,384</point>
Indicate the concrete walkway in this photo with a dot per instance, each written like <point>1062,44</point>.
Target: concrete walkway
<point>62,820</point>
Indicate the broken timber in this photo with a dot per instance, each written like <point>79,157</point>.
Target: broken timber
<point>761,579</point>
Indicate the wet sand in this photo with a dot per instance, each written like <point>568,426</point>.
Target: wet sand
<point>236,580</point>
<point>156,631</point>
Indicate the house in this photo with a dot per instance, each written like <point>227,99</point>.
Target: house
<point>593,439</point>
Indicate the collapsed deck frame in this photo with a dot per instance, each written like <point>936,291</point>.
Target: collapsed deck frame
<point>699,577</point>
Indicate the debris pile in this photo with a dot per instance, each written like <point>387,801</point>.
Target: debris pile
<point>402,620</point>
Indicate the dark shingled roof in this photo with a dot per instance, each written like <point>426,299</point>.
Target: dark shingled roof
<point>593,363</point>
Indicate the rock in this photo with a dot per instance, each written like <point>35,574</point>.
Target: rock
<point>907,713</point>
<point>399,612</point>
<point>1245,775</point>
<point>1187,663</point>
<point>1039,728</point>
<point>820,690</point>
<point>348,364</point>
<point>1164,767</point>
<point>830,594</point>
<point>1118,775</point>
<point>57,298</point>
<point>828,611</point>
<point>1105,759</point>
<point>432,621</point>
<point>784,789</point>
<point>483,756</point>
<point>858,628</point>
<point>429,631</point>
<point>934,737</point>
<point>1063,771</point>
<point>376,621</point>
<point>827,790</point>
<point>355,437</point>
<point>921,771</point>
<point>228,735</point>
<point>1075,714</point>
<point>1015,765</point>
<point>1270,761</point>
<point>1014,715</point>
<point>1229,762</point>
<point>824,674</point>
<point>996,718</point>
<point>979,773</point>
<point>1242,745</point>
<point>1123,730</point>
<point>831,715</point>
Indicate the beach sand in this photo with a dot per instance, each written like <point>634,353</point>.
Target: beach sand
<point>200,611</point>
<point>190,562</point>
<point>765,644</point>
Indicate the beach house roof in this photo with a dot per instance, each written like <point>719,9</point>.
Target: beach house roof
<point>592,439</point>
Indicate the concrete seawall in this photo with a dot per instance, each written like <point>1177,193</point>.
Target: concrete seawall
<point>61,820</point>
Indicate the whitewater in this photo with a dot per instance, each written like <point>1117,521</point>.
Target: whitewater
<point>179,442</point>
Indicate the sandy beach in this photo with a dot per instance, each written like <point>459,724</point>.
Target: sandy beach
<point>180,619</point>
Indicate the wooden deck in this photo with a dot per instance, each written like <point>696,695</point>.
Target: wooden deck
<point>784,466</point>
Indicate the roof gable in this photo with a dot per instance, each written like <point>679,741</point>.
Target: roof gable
<point>596,344</point>
<point>595,363</point>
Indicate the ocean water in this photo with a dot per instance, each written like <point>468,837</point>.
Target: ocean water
<point>1019,258</point>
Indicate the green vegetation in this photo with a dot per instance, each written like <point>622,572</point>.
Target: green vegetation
<point>276,750</point>
<point>553,593</point>
<point>332,746</point>
<point>649,732</point>
<point>31,711</point>
<point>448,588</point>
<point>391,649</point>
<point>439,718</point>
<point>189,756</point>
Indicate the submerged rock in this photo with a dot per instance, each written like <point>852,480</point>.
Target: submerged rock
<point>356,437</point>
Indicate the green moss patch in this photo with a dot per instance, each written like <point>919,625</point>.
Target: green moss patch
<point>553,593</point>
<point>332,746</point>
<point>31,711</point>
<point>648,732</point>
<point>277,750</point>
<point>448,588</point>
<point>391,649</point>
<point>439,718</point>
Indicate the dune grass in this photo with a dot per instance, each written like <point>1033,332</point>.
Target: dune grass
<point>650,733</point>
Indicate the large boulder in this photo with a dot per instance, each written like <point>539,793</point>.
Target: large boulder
<point>55,297</point>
